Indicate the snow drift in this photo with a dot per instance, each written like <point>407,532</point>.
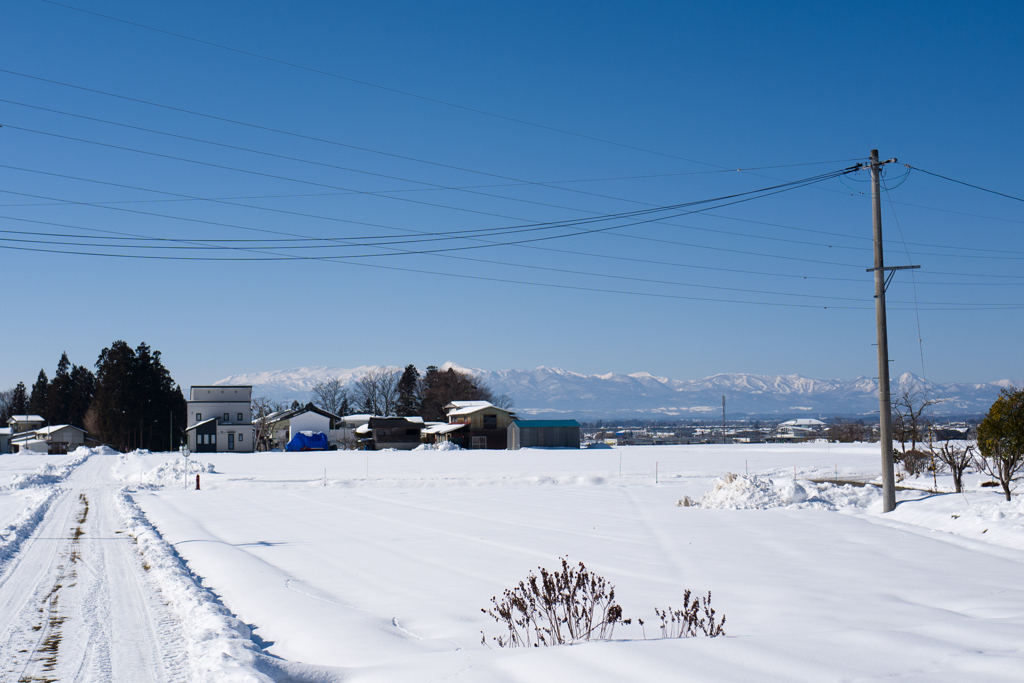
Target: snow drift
<point>760,492</point>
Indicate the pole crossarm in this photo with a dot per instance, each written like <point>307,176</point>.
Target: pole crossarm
<point>892,271</point>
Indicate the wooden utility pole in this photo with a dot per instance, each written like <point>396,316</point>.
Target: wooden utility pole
<point>881,284</point>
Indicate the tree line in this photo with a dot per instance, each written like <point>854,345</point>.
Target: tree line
<point>131,401</point>
<point>387,392</point>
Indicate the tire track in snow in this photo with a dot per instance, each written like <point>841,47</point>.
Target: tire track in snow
<point>75,604</point>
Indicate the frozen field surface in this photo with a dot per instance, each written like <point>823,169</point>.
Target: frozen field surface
<point>375,568</point>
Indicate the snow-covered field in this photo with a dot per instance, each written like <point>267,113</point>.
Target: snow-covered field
<point>374,567</point>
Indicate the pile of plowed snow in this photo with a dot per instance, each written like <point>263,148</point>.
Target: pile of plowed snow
<point>759,492</point>
<point>443,446</point>
<point>173,472</point>
<point>49,473</point>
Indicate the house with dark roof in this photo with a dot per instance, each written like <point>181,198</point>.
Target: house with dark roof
<point>284,425</point>
<point>400,433</point>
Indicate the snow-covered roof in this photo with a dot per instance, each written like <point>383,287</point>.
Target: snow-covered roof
<point>468,404</point>
<point>473,407</point>
<point>56,428</point>
<point>363,429</point>
<point>803,422</point>
<point>199,424</point>
<point>361,417</point>
<point>18,419</point>
<point>6,431</point>
<point>418,420</point>
<point>443,428</point>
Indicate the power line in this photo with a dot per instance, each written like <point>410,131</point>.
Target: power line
<point>961,182</point>
<point>369,84</point>
<point>572,223</point>
<point>472,190</point>
<point>551,185</point>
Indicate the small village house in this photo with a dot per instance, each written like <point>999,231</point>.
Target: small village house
<point>25,423</point>
<point>284,425</point>
<point>220,419</point>
<point>484,424</point>
<point>53,440</point>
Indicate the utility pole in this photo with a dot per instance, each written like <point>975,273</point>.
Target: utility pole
<point>723,419</point>
<point>881,284</point>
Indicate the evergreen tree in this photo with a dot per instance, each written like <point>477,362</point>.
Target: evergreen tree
<point>439,388</point>
<point>135,400</point>
<point>408,392</point>
<point>37,404</point>
<point>58,400</point>
<point>83,386</point>
<point>19,400</point>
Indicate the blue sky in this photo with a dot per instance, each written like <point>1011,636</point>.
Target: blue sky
<point>636,105</point>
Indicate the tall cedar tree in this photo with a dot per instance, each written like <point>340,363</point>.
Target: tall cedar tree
<point>19,400</point>
<point>83,386</point>
<point>408,398</point>
<point>37,403</point>
<point>59,396</point>
<point>136,399</point>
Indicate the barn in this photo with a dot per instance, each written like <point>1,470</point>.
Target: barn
<point>543,434</point>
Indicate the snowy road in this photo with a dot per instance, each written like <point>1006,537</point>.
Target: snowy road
<point>76,603</point>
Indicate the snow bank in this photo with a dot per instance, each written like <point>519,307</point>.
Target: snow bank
<point>49,473</point>
<point>982,516</point>
<point>219,645</point>
<point>170,473</point>
<point>443,446</point>
<point>15,533</point>
<point>759,492</point>
<point>40,489</point>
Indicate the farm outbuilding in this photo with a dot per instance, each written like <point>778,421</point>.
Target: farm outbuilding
<point>543,434</point>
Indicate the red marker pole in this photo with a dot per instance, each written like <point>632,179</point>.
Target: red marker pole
<point>197,482</point>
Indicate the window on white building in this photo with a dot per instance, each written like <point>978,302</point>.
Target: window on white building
<point>199,417</point>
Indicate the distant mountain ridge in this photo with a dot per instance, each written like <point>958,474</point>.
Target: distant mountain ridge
<point>547,391</point>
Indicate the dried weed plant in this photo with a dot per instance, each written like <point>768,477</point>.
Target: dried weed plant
<point>695,618</point>
<point>555,608</point>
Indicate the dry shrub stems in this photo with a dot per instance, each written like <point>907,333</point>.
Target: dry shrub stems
<point>556,607</point>
<point>695,616</point>
<point>574,604</point>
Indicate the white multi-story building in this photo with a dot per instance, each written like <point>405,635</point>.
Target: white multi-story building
<point>220,419</point>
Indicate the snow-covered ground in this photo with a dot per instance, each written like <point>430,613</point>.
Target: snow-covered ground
<point>374,567</point>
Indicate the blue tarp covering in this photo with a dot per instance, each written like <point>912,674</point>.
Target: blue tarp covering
<point>308,442</point>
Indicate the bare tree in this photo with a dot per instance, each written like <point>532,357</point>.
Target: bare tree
<point>376,392</point>
<point>332,396</point>
<point>6,405</point>
<point>909,422</point>
<point>845,431</point>
<point>958,457</point>
<point>262,409</point>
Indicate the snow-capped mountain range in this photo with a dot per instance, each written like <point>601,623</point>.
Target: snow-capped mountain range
<point>547,391</point>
